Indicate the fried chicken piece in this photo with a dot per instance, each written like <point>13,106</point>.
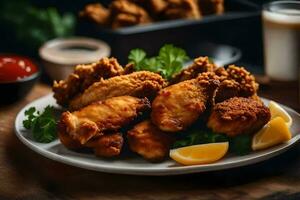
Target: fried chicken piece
<point>128,69</point>
<point>137,84</point>
<point>227,90</point>
<point>177,106</point>
<point>235,81</point>
<point>158,6</point>
<point>126,13</point>
<point>108,115</point>
<point>123,20</point>
<point>107,145</point>
<point>64,90</point>
<point>96,13</point>
<point>238,115</point>
<point>209,7</point>
<point>84,76</point>
<point>248,86</point>
<point>200,65</point>
<point>150,142</point>
<point>67,140</point>
<point>182,9</point>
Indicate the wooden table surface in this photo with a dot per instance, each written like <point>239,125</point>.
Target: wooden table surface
<point>25,174</point>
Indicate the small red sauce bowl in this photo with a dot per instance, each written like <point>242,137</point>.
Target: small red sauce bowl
<point>18,74</point>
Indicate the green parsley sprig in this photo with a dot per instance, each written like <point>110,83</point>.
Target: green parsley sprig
<point>241,144</point>
<point>169,60</point>
<point>42,125</point>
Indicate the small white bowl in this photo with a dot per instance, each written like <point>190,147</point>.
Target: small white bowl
<point>61,55</point>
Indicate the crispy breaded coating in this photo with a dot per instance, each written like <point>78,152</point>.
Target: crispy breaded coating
<point>127,13</point>
<point>67,140</point>
<point>226,90</point>
<point>157,6</point>
<point>123,19</point>
<point>128,69</point>
<point>96,13</point>
<point>150,142</point>
<point>209,7</point>
<point>137,84</point>
<point>182,9</point>
<point>107,145</point>
<point>177,106</point>
<point>84,76</point>
<point>238,115</point>
<point>64,90</point>
<point>248,86</point>
<point>235,81</point>
<point>103,69</point>
<point>101,116</point>
<point>200,65</point>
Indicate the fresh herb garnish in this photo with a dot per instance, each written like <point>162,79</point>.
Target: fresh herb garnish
<point>31,25</point>
<point>200,137</point>
<point>240,144</point>
<point>42,125</point>
<point>169,60</point>
<point>137,56</point>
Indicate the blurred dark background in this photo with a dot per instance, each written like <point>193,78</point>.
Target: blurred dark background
<point>27,24</point>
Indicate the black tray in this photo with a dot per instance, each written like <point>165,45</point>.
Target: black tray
<point>239,26</point>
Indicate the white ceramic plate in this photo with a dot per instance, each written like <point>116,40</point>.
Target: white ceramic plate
<point>134,164</point>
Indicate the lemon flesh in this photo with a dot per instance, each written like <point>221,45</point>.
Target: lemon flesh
<point>199,154</point>
<point>277,111</point>
<point>276,131</point>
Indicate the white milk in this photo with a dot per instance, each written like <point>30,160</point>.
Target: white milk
<point>282,44</point>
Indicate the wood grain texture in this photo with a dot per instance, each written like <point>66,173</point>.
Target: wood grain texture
<point>25,174</point>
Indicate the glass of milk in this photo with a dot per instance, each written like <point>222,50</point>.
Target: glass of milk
<point>281,28</point>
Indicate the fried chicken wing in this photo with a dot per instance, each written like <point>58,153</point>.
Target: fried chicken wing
<point>150,142</point>
<point>200,65</point>
<point>108,115</point>
<point>235,81</point>
<point>107,145</point>
<point>138,84</point>
<point>126,13</point>
<point>238,115</point>
<point>96,13</point>
<point>177,106</point>
<point>84,76</point>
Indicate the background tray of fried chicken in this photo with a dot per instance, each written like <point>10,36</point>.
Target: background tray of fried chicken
<point>235,22</point>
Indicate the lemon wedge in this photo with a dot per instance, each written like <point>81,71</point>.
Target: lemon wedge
<point>274,132</point>
<point>277,111</point>
<point>199,154</point>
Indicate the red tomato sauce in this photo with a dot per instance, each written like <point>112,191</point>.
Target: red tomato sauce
<point>13,68</point>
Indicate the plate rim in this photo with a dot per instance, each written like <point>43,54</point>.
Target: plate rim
<point>178,170</point>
